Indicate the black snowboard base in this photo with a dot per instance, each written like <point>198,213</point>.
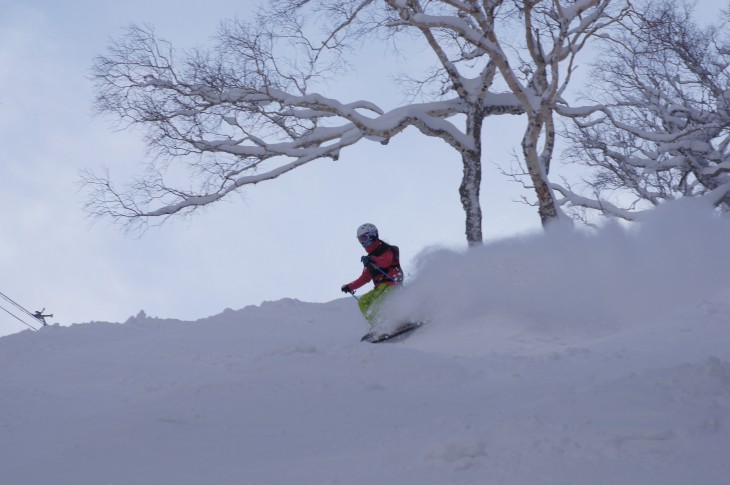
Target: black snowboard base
<point>400,331</point>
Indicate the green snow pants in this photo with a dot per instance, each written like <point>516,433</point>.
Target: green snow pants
<point>372,301</point>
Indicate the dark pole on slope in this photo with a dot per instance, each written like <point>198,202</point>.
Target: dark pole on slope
<point>38,315</point>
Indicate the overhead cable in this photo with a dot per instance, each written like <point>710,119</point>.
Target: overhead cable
<point>18,306</point>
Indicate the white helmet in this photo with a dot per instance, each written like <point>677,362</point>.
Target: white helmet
<point>367,234</point>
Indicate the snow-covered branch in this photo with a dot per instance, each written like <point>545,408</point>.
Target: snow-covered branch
<point>537,73</point>
<point>249,110</point>
<point>663,129</point>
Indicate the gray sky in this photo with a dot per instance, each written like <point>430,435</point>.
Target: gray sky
<point>292,237</point>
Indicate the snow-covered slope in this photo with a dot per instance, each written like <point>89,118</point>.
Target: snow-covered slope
<point>558,359</point>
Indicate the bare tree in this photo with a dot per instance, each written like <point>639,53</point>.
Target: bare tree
<point>248,115</point>
<point>661,128</point>
<point>536,70</point>
<point>249,112</point>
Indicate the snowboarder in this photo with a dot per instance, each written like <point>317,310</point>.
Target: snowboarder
<point>382,267</point>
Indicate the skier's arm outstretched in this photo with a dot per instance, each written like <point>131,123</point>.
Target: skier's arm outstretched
<point>362,280</point>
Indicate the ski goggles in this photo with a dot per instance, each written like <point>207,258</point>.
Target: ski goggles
<point>365,239</point>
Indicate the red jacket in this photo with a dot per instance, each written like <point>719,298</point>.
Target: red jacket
<point>386,259</point>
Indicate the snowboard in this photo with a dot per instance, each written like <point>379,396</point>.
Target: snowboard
<point>401,331</point>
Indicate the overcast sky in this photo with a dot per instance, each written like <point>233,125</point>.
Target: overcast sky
<point>293,237</point>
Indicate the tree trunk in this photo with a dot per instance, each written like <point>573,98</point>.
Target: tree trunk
<point>546,200</point>
<point>472,180</point>
<point>547,209</point>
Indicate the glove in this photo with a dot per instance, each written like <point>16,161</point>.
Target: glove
<point>366,261</point>
<point>346,289</point>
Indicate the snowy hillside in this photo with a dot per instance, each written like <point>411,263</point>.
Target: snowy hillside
<point>552,359</point>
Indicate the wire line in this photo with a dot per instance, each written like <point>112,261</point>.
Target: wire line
<point>17,305</point>
<point>18,319</point>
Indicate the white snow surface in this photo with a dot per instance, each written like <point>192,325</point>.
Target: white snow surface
<point>561,358</point>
